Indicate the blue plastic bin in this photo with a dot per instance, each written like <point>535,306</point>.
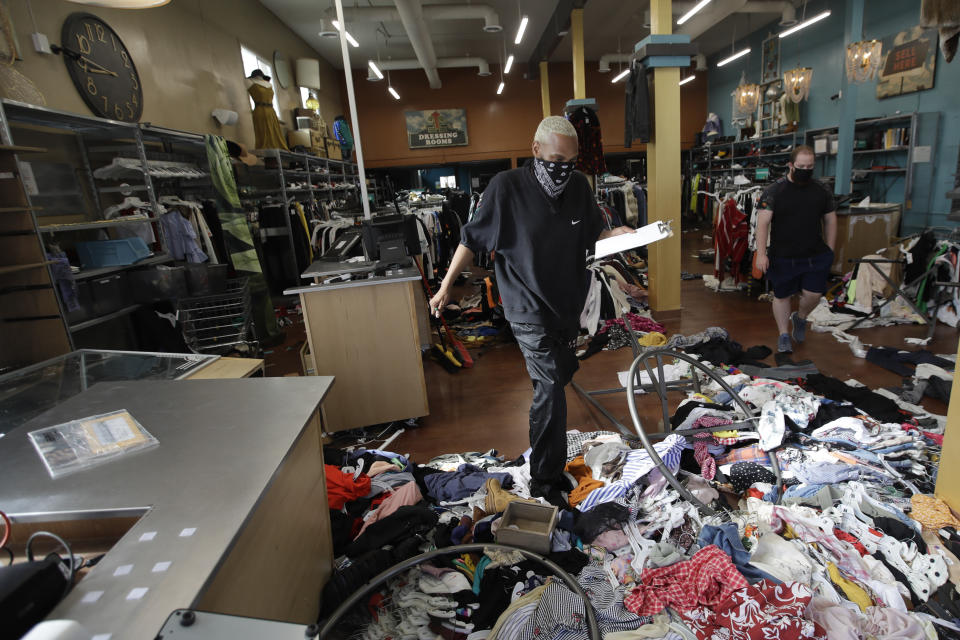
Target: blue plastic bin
<point>112,253</point>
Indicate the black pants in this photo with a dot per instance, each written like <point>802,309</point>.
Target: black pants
<point>551,363</point>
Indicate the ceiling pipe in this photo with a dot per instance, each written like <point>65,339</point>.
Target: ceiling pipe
<point>607,58</point>
<point>711,15</point>
<point>483,67</point>
<point>411,16</point>
<point>491,20</point>
<point>788,14</point>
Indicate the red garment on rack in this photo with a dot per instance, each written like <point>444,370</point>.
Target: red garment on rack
<point>730,239</point>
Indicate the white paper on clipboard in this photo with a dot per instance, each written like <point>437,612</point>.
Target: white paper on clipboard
<point>641,237</point>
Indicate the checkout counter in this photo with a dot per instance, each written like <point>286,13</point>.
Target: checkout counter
<point>190,523</point>
<point>365,322</point>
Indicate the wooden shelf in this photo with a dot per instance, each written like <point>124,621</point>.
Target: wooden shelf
<point>14,148</point>
<point>22,267</point>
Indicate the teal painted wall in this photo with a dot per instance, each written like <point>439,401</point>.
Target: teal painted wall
<point>822,47</point>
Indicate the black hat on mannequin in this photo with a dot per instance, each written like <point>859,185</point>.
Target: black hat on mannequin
<point>259,75</point>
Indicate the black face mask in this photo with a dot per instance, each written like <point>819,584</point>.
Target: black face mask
<point>802,176</point>
<point>553,176</point>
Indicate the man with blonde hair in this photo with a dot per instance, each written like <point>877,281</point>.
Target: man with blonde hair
<point>541,221</point>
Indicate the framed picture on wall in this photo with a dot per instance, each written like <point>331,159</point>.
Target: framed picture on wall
<point>909,62</point>
<point>770,59</point>
<point>437,128</point>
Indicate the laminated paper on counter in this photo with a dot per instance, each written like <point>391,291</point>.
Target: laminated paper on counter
<point>626,241</point>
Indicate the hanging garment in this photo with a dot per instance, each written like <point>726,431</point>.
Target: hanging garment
<point>636,106</point>
<point>590,159</point>
<point>221,169</point>
<point>181,238</point>
<point>266,125</point>
<point>729,240</point>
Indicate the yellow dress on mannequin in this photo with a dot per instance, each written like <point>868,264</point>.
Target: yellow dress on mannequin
<point>266,125</point>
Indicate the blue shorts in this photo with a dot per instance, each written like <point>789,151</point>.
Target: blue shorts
<point>789,275</point>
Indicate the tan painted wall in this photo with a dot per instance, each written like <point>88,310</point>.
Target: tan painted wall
<point>188,56</point>
<point>498,126</point>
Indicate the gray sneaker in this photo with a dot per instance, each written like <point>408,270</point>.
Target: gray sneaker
<point>799,327</point>
<point>783,343</point>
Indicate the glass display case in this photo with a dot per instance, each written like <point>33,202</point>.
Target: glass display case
<point>28,392</point>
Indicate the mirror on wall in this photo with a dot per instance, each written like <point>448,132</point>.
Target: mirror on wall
<point>281,67</point>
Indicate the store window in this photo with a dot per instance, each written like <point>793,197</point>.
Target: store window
<point>304,96</point>
<point>448,182</point>
<point>252,61</point>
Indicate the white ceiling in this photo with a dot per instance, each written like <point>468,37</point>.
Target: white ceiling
<point>609,26</point>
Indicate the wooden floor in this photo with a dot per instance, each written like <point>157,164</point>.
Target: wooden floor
<point>486,407</point>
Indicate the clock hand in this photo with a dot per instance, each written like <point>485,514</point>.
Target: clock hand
<point>100,68</point>
<point>83,61</point>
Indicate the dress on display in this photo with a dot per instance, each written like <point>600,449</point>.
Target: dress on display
<point>266,125</point>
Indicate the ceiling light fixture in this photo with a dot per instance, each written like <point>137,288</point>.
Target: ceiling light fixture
<point>687,79</point>
<point>805,24</point>
<point>349,37</point>
<point>509,65</point>
<point>797,83</point>
<point>620,76</point>
<point>500,88</point>
<point>123,4</point>
<point>393,92</point>
<point>373,67</point>
<point>520,30</point>
<point>693,12</point>
<point>738,54</point>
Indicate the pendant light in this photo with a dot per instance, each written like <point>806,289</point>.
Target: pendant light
<point>123,4</point>
<point>746,96</point>
<point>863,60</point>
<point>796,83</point>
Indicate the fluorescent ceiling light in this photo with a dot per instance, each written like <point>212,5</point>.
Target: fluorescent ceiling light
<point>692,12</point>
<point>393,92</point>
<point>805,23</point>
<point>509,65</point>
<point>520,30</point>
<point>738,54</point>
<point>500,89</point>
<point>620,76</point>
<point>373,67</point>
<point>349,37</point>
<point>687,79</point>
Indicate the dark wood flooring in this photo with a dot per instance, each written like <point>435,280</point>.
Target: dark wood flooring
<point>487,406</point>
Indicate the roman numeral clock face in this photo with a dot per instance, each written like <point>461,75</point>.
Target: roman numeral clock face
<point>101,68</point>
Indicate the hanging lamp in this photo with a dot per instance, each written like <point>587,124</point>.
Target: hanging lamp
<point>746,97</point>
<point>863,60</point>
<point>796,83</point>
<point>123,4</point>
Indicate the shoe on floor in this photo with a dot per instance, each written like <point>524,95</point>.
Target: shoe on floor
<point>783,343</point>
<point>799,327</point>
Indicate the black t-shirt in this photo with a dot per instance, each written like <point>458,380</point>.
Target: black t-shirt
<point>798,210</point>
<point>540,244</point>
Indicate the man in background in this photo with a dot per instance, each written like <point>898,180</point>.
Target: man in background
<point>804,218</point>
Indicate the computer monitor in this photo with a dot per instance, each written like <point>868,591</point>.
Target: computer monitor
<point>391,239</point>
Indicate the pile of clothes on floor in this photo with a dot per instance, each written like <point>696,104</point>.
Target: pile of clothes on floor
<point>849,543</point>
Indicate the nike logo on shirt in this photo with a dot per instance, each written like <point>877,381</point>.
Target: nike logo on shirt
<point>572,222</point>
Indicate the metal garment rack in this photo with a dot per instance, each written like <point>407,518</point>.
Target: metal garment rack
<point>326,631</point>
<point>660,386</point>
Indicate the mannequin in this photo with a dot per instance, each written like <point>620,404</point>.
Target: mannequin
<point>266,125</point>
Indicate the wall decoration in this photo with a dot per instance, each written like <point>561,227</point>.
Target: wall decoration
<point>437,128</point>
<point>770,59</point>
<point>909,62</point>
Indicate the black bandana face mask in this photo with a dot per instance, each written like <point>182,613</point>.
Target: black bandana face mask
<point>553,176</point>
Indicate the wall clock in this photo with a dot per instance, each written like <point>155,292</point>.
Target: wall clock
<point>101,68</point>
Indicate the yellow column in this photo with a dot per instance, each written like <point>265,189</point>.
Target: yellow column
<point>576,36</point>
<point>663,171</point>
<point>948,477</point>
<point>544,88</point>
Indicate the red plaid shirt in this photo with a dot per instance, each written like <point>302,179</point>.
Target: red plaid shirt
<point>706,579</point>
